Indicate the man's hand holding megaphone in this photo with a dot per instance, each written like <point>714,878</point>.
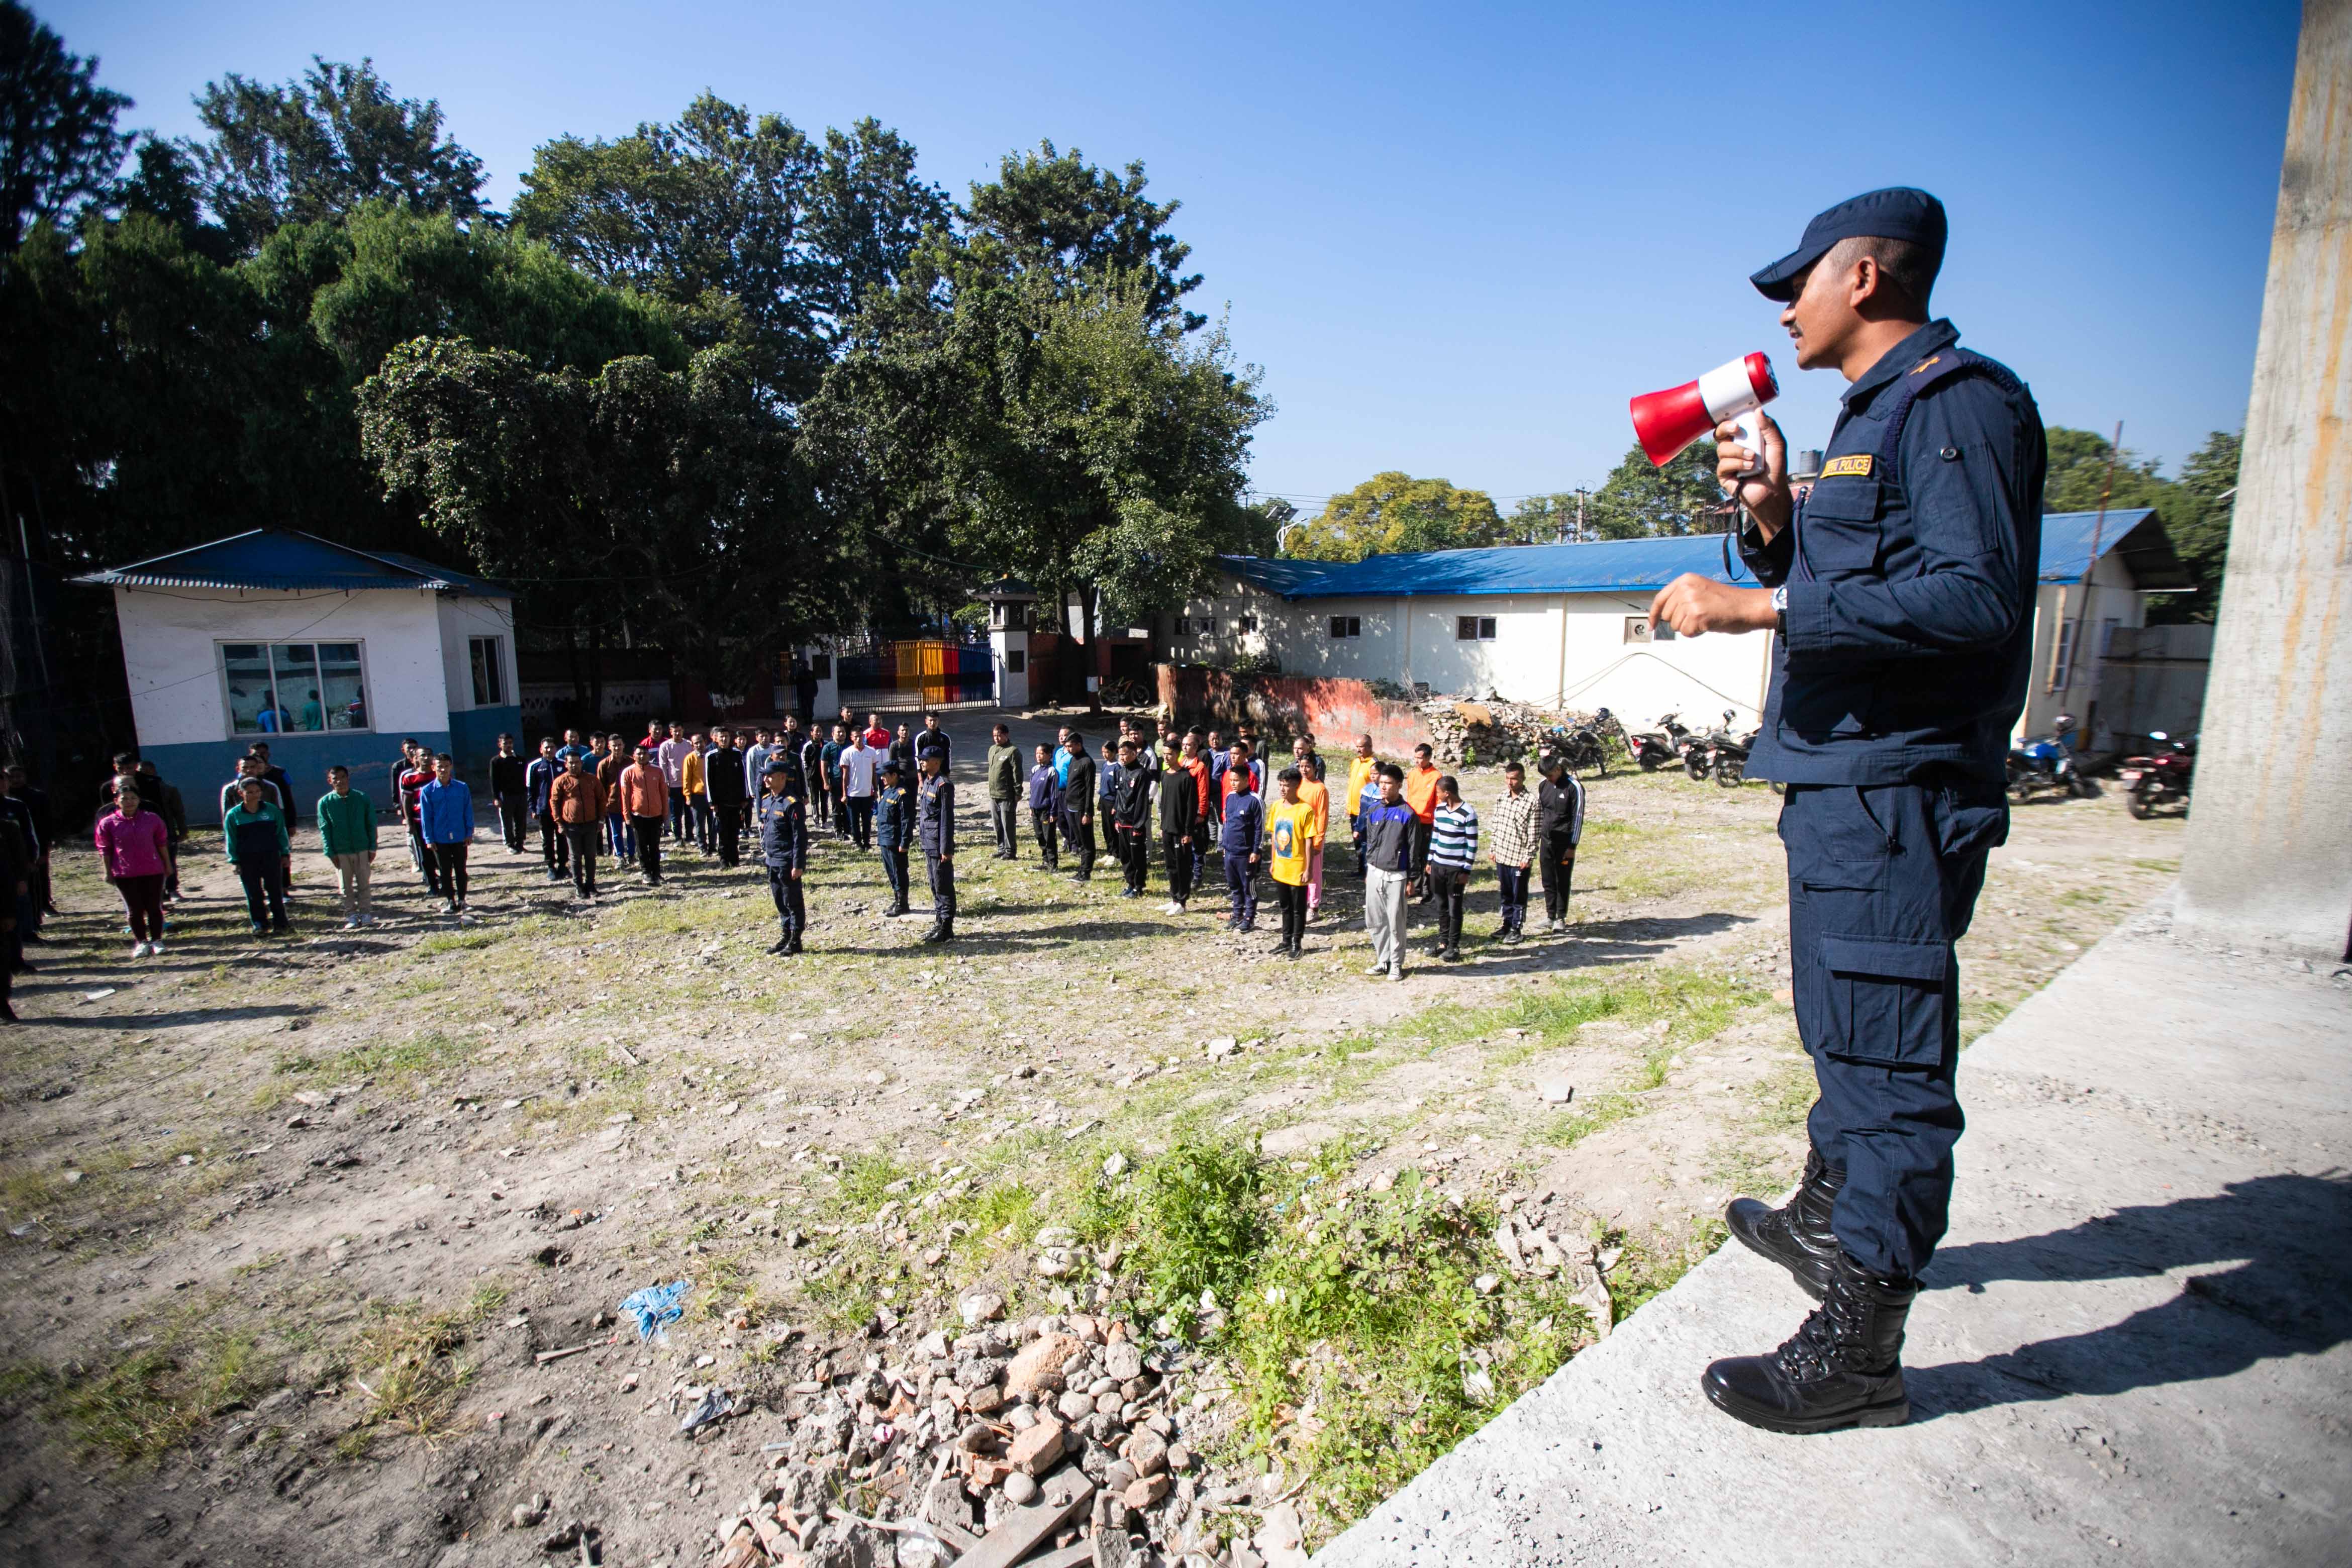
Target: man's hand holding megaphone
<point>1692,603</point>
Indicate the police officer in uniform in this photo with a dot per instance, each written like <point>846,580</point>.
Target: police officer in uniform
<point>935,830</point>
<point>782,821</point>
<point>1902,591</point>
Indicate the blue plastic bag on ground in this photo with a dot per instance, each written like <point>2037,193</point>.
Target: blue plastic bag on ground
<point>656,1306</point>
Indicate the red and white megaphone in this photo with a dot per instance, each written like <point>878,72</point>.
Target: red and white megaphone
<point>1667,422</point>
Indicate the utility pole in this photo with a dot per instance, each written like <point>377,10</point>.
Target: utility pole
<point>2083,609</point>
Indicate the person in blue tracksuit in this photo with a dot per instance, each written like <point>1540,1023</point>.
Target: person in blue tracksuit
<point>782,821</point>
<point>1046,808</point>
<point>894,833</point>
<point>537,779</point>
<point>1902,594</point>
<point>445,809</point>
<point>1239,840</point>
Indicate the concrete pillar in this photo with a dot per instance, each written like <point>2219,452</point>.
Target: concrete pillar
<point>2269,857</point>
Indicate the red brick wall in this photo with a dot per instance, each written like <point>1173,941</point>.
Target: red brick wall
<point>1335,711</point>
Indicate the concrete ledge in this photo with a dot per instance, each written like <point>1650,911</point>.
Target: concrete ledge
<point>2136,1344</point>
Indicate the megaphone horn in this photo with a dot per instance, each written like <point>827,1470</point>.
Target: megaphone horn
<point>1667,422</point>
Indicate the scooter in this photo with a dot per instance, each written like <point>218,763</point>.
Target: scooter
<point>2160,777</point>
<point>1660,748</point>
<point>2046,763</point>
<point>1699,760</point>
<point>1731,759</point>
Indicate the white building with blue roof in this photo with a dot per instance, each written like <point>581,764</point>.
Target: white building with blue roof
<point>1566,626</point>
<point>330,654</point>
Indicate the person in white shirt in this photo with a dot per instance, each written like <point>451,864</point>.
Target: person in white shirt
<point>860,764</point>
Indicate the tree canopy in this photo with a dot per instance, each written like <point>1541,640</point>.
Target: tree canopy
<point>58,145</point>
<point>1394,511</point>
<point>313,150</point>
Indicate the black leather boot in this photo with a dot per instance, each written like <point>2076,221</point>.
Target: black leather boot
<point>1796,1236</point>
<point>1842,1368</point>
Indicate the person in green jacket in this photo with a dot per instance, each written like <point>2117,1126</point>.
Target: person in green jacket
<point>1006,778</point>
<point>347,838</point>
<point>255,832</point>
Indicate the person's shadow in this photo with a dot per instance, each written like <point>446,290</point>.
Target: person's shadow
<point>2287,1291</point>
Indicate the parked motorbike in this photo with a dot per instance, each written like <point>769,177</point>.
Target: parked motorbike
<point>1731,761</point>
<point>2161,776</point>
<point>1699,761</point>
<point>1663,747</point>
<point>2048,763</point>
<point>1585,743</point>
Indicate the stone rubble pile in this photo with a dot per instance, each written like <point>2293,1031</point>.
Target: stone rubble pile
<point>1053,1441</point>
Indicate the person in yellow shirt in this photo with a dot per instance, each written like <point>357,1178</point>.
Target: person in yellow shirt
<point>1360,779</point>
<point>692,783</point>
<point>1315,796</point>
<point>1287,825</point>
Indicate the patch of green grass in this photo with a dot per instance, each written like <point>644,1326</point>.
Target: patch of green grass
<point>158,1396</point>
<point>1978,1016</point>
<point>405,1360</point>
<point>1784,1096</point>
<point>401,1064</point>
<point>1649,1266</point>
<point>459,942</point>
<point>2165,866</point>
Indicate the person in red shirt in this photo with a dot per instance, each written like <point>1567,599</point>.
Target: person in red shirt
<point>1421,794</point>
<point>414,776</point>
<point>877,737</point>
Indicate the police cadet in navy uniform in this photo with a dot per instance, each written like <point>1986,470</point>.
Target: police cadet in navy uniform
<point>1903,594</point>
<point>935,830</point>
<point>782,820</point>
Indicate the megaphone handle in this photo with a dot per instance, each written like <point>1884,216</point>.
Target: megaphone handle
<point>1751,435</point>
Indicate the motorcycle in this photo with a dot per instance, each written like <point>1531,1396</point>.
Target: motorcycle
<point>1663,747</point>
<point>2161,776</point>
<point>2046,763</point>
<point>1585,743</point>
<point>1730,763</point>
<point>1699,760</point>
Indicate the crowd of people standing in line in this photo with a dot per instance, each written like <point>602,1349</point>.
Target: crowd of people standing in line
<point>1415,838</point>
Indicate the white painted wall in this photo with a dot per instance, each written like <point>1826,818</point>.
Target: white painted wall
<point>171,657</point>
<point>1559,650</point>
<point>461,620</point>
<point>2111,596</point>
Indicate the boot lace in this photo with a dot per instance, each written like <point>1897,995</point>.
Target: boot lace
<point>1826,1342</point>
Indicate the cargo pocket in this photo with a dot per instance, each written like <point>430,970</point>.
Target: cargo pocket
<point>1885,999</point>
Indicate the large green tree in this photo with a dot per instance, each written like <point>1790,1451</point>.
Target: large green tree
<point>1642,500</point>
<point>1057,214</point>
<point>758,233</point>
<point>1394,511</point>
<point>314,149</point>
<point>669,501</point>
<point>59,145</point>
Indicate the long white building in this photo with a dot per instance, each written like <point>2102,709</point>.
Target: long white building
<point>1566,626</point>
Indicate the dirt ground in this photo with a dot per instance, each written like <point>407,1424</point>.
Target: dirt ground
<point>288,1223</point>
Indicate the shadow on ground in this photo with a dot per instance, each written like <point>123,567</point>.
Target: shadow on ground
<point>2287,1291</point>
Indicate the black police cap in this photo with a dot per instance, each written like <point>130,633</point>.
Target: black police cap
<point>1897,213</point>
<point>928,752</point>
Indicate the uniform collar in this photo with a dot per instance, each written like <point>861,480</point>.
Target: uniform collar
<point>1938,334</point>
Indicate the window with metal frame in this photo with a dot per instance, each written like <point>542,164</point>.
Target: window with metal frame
<point>1474,628</point>
<point>1347,626</point>
<point>488,656</point>
<point>293,687</point>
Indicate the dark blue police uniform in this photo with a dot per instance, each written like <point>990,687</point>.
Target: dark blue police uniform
<point>894,831</point>
<point>935,830</point>
<point>1906,629</point>
<point>783,823</point>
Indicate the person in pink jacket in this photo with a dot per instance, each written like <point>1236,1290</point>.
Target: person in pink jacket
<point>136,848</point>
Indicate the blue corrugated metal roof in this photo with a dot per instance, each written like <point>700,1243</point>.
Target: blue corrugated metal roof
<point>288,560</point>
<point>1610,566</point>
<point>2135,532</point>
<point>1629,565</point>
<point>1275,574</point>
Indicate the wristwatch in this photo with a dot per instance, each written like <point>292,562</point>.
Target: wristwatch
<point>1780,607</point>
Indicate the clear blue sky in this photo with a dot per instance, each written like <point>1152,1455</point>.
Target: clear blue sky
<point>1458,237</point>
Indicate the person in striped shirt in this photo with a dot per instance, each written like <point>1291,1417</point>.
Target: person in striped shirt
<point>1453,851</point>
